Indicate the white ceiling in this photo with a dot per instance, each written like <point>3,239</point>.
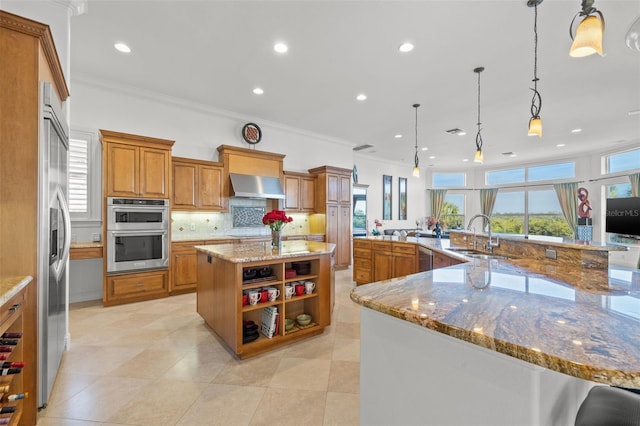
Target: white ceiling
<point>216,52</point>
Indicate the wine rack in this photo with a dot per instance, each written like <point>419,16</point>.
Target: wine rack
<point>12,394</point>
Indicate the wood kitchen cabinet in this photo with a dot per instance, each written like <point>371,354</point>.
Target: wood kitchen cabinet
<point>135,166</point>
<point>127,288</point>
<point>184,266</point>
<point>441,260</point>
<point>197,185</point>
<point>333,199</point>
<point>299,189</point>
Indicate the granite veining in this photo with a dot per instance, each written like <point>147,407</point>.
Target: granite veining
<point>11,286</point>
<point>261,251</point>
<point>584,323</point>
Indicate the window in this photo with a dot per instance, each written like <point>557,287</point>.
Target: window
<point>551,171</point>
<point>619,190</point>
<point>85,192</point>
<point>508,213</point>
<point>623,161</point>
<point>444,180</point>
<point>452,216</point>
<point>78,176</point>
<point>359,211</point>
<point>530,213</point>
<point>532,174</point>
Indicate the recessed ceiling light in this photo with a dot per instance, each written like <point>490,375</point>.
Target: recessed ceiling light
<point>122,47</point>
<point>406,47</point>
<point>425,149</point>
<point>634,112</point>
<point>560,145</point>
<point>576,130</point>
<point>464,160</point>
<point>280,47</point>
<point>258,91</point>
<point>431,157</point>
<point>361,97</point>
<point>398,136</point>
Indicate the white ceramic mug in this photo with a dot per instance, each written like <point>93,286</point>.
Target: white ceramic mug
<point>288,292</point>
<point>309,286</point>
<point>254,297</point>
<point>274,293</point>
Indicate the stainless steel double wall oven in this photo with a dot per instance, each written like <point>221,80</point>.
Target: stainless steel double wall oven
<point>137,234</point>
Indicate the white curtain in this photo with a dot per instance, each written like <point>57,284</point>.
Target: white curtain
<point>635,184</point>
<point>437,202</point>
<point>567,195</point>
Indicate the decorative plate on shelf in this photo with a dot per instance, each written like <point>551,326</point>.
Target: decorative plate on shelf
<point>251,133</point>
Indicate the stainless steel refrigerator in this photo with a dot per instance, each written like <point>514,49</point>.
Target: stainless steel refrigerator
<point>54,233</point>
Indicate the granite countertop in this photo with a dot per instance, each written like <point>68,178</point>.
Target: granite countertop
<point>261,251</point>
<point>10,286</point>
<point>179,238</point>
<point>580,322</point>
<point>86,244</point>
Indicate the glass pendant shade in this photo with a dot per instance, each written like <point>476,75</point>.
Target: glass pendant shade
<point>479,158</point>
<point>588,39</point>
<point>535,127</point>
<point>416,171</point>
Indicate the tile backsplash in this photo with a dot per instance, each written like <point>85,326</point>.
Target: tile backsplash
<point>244,218</point>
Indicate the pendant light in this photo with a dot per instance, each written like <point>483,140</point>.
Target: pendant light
<point>479,158</point>
<point>416,168</point>
<point>588,38</point>
<point>535,122</point>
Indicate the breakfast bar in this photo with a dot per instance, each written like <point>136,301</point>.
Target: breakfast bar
<point>229,273</point>
<point>512,341</point>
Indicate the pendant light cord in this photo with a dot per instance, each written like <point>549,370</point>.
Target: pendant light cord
<point>536,100</point>
<point>416,155</point>
<point>478,135</point>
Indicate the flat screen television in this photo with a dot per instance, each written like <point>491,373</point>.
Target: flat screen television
<point>623,216</point>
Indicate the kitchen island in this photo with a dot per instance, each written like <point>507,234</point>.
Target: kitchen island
<point>492,341</point>
<point>226,272</point>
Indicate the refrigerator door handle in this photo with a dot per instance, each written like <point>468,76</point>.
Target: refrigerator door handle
<point>66,244</point>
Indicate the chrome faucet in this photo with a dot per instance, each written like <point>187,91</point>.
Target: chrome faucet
<point>490,243</point>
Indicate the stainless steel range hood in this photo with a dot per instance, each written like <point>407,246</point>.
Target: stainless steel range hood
<point>256,186</point>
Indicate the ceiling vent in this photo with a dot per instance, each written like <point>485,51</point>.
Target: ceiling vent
<point>456,131</point>
<point>509,154</point>
<point>361,147</point>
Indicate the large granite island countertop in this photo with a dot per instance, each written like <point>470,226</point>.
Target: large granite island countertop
<point>581,322</point>
<point>257,252</point>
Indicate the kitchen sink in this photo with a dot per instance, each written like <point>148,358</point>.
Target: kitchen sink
<point>476,254</point>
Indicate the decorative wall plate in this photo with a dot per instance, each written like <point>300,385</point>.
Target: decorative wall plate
<point>251,133</point>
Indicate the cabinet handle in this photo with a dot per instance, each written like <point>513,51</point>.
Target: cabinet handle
<point>14,307</point>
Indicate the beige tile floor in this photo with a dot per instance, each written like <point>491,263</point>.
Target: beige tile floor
<point>156,363</point>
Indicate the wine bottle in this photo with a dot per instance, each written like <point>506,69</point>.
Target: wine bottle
<point>5,410</point>
<point>10,342</point>
<point>16,396</point>
<point>4,356</point>
<point>5,420</point>
<point>4,388</point>
<point>7,371</point>
<point>14,364</point>
<point>11,335</point>
<point>6,348</point>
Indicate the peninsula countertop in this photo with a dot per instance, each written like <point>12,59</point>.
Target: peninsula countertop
<point>581,322</point>
<point>261,251</point>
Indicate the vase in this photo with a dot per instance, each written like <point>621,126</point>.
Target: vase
<point>276,239</point>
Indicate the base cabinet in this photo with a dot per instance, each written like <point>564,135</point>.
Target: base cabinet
<point>221,304</point>
<point>184,266</point>
<point>136,287</point>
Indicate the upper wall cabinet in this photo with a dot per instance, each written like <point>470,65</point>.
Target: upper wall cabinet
<point>299,189</point>
<point>197,185</point>
<point>135,166</point>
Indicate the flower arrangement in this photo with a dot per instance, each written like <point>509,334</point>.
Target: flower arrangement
<point>375,230</point>
<point>276,219</point>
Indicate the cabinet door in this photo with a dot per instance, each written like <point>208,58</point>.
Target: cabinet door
<point>343,251</point>
<point>404,265</point>
<point>122,170</point>
<point>307,194</point>
<point>154,173</point>
<point>345,189</point>
<point>332,226</point>
<point>333,188</point>
<point>382,266</point>
<point>292,193</point>
<point>185,270</point>
<point>210,188</point>
<point>185,185</point>
<point>440,260</point>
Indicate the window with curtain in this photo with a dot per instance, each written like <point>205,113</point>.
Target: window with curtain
<point>452,216</point>
<point>530,212</point>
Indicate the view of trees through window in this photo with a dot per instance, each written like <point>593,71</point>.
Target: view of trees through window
<point>452,216</point>
<point>540,215</point>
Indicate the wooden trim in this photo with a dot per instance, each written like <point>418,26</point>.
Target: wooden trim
<point>86,253</point>
<point>135,140</point>
<point>43,33</point>
<point>227,149</point>
<point>330,169</point>
<point>194,161</point>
